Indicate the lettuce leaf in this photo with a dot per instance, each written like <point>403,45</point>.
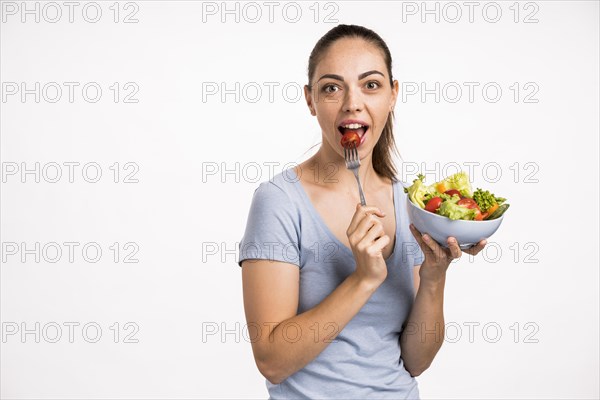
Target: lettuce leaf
<point>458,181</point>
<point>418,191</point>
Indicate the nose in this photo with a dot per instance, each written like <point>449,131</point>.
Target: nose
<point>352,101</point>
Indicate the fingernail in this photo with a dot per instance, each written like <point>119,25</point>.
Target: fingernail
<point>426,238</point>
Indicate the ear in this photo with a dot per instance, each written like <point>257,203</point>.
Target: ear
<point>395,90</point>
<point>309,100</point>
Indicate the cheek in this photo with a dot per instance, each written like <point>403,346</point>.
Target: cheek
<point>381,111</point>
<point>325,122</point>
<point>326,114</point>
<point>384,103</point>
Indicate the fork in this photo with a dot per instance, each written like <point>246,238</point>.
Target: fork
<point>353,163</point>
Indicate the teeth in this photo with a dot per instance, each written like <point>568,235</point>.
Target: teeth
<point>352,126</point>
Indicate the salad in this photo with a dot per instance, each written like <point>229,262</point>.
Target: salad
<point>453,198</point>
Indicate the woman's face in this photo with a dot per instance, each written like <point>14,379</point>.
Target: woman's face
<point>351,91</point>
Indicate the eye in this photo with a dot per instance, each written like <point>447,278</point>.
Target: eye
<point>330,88</point>
<point>373,85</point>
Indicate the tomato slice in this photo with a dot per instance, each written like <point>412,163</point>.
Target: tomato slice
<point>433,204</point>
<point>453,192</point>
<point>470,203</point>
<point>349,138</point>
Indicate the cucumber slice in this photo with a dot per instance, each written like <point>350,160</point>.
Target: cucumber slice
<point>498,213</point>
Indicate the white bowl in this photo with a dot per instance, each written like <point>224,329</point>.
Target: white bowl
<point>467,233</point>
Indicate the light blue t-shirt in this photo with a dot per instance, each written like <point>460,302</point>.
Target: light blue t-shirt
<point>364,359</point>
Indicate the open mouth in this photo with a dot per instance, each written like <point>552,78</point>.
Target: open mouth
<point>359,129</point>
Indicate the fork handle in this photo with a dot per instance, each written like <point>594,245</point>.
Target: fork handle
<point>360,191</point>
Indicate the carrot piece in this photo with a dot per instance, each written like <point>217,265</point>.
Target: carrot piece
<point>491,210</point>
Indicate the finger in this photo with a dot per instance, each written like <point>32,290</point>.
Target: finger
<point>419,237</point>
<point>373,234</point>
<point>436,249</point>
<point>360,213</point>
<point>477,248</point>
<point>367,224</point>
<point>380,244</point>
<point>428,245</point>
<point>455,251</point>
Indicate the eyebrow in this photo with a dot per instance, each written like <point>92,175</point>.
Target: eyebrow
<point>361,76</point>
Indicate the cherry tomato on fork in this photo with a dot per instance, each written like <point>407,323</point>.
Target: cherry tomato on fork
<point>350,137</point>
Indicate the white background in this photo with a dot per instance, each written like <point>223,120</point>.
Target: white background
<point>186,216</point>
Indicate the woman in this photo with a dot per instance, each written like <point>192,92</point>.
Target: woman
<point>329,285</point>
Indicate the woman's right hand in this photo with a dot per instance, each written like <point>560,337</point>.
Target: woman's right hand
<point>367,239</point>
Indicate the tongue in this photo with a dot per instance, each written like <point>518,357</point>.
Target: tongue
<point>359,131</point>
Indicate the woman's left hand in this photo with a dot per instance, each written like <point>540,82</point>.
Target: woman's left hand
<point>438,258</point>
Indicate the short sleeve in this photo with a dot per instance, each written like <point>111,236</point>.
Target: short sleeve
<point>272,229</point>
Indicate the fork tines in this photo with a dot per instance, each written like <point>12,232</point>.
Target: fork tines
<point>351,156</point>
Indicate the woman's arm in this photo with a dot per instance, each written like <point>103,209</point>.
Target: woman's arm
<point>423,334</point>
<point>286,342</point>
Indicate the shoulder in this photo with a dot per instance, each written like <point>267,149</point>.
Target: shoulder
<point>273,227</point>
<point>277,197</point>
<point>278,188</point>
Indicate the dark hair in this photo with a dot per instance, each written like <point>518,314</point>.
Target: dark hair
<point>386,146</point>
